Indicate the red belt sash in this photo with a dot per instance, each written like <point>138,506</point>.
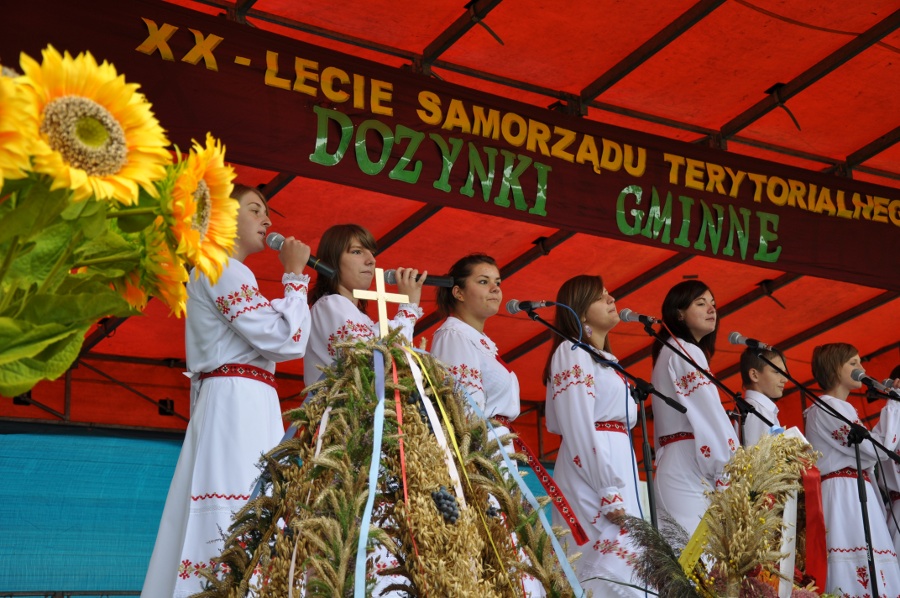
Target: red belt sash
<point>847,472</point>
<point>670,438</point>
<point>553,491</point>
<point>816,557</point>
<point>239,370</point>
<point>610,427</point>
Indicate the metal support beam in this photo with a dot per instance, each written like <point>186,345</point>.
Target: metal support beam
<point>131,389</point>
<point>645,51</point>
<point>819,70</point>
<point>475,11</point>
<point>874,148</point>
<point>407,226</point>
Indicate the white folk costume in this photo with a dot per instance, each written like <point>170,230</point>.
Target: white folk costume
<point>890,480</point>
<point>589,406</point>
<point>337,319</point>
<point>848,568</point>
<point>691,448</point>
<point>233,337</point>
<point>755,428</point>
<point>471,357</point>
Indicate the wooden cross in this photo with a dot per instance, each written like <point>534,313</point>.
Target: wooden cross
<point>382,298</point>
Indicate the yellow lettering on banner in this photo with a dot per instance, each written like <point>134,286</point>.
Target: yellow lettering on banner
<point>457,117</point>
<point>758,180</point>
<point>566,137</point>
<point>881,209</point>
<point>797,194</point>
<point>862,207</point>
<point>538,137</point>
<point>305,70</point>
<point>693,174</point>
<point>272,78</point>
<point>587,152</point>
<point>894,212</point>
<point>514,129</point>
<point>382,94</point>
<point>736,179</point>
<point>203,48</point>
<point>716,176</point>
<point>329,76</point>
<point>842,210</point>
<point>675,162</point>
<point>430,114</point>
<point>359,91</point>
<point>157,39</point>
<point>487,125</point>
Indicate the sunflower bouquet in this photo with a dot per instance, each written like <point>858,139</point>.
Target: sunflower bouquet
<point>97,213</point>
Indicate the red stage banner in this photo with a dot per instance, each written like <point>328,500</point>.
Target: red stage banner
<point>285,105</point>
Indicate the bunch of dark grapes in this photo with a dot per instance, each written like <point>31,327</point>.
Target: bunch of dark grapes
<point>446,504</point>
<point>416,398</point>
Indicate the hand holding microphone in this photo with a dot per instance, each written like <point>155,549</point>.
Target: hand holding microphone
<point>295,254</point>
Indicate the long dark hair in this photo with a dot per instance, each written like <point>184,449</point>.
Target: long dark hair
<point>579,292</point>
<point>460,271</point>
<point>332,245</point>
<point>678,298</point>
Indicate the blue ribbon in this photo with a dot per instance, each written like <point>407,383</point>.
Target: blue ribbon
<point>359,582</point>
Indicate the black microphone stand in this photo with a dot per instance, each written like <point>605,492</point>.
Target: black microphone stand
<point>742,405</point>
<point>640,391</point>
<point>857,434</point>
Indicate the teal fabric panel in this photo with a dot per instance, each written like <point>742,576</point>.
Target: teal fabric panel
<point>80,512</point>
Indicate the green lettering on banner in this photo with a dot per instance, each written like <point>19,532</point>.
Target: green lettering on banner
<point>540,199</point>
<point>485,174</point>
<point>510,180</point>
<point>683,240</point>
<point>400,172</point>
<point>321,155</point>
<point>712,226</point>
<point>767,237</point>
<point>659,219</point>
<point>735,226</point>
<point>621,215</point>
<point>362,151</point>
<point>448,159</point>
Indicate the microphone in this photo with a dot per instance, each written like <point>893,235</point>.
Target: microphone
<point>860,376</point>
<point>276,240</point>
<point>390,277</point>
<point>514,306</point>
<point>626,315</point>
<point>736,338</point>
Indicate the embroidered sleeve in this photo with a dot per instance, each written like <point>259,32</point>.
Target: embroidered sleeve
<point>295,283</point>
<point>714,436</point>
<point>463,362</point>
<point>277,329</point>
<point>407,316</point>
<point>575,393</point>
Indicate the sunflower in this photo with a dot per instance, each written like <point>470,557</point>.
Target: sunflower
<point>14,140</point>
<point>93,133</point>
<point>201,213</point>
<point>160,274</point>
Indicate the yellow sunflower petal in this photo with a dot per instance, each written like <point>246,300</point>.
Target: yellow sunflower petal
<point>16,111</point>
<point>201,214</point>
<point>98,135</point>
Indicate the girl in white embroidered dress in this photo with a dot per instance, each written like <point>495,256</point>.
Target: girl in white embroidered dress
<point>337,316</point>
<point>471,357</point>
<point>848,569</point>
<point>588,404</point>
<point>691,448</point>
<point>235,415</point>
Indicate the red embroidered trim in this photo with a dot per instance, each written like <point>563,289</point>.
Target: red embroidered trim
<point>562,381</point>
<point>610,427</point>
<point>300,288</point>
<point>863,549</point>
<point>237,370</point>
<point>669,439</point>
<point>690,382</point>
<point>467,376</point>
<point>847,472</point>
<point>604,502</point>
<point>349,330</point>
<point>223,496</point>
<point>553,491</point>
<point>248,309</point>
